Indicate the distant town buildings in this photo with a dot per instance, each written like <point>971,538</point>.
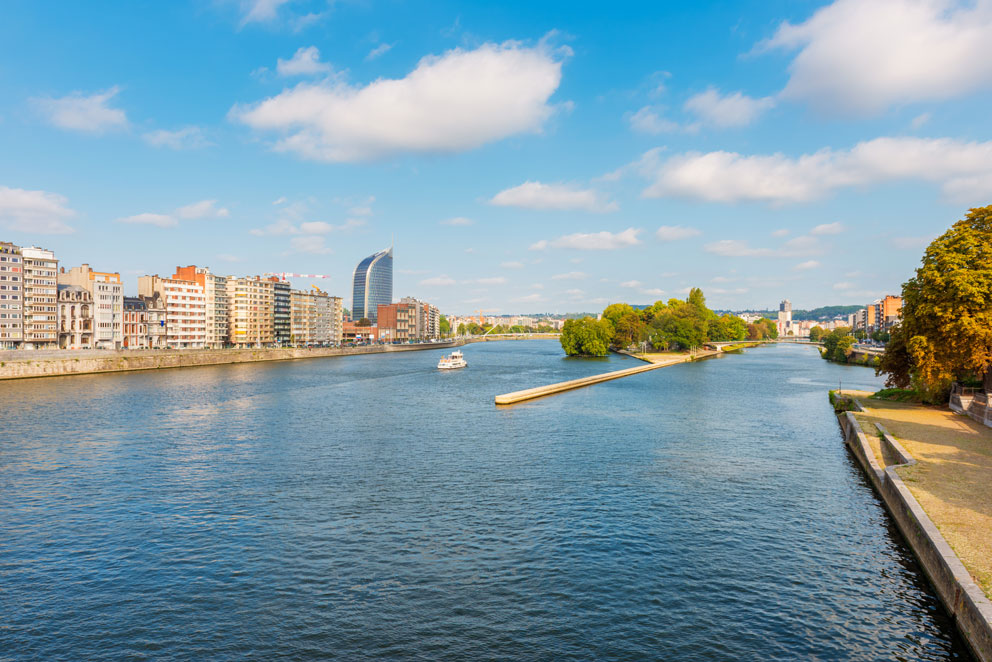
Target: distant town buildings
<point>880,315</point>
<point>784,324</point>
<point>373,285</point>
<point>45,307</point>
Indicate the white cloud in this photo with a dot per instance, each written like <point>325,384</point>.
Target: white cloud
<point>592,241</point>
<point>735,109</point>
<point>512,265</point>
<point>458,221</point>
<point>917,243</point>
<point>963,170</point>
<point>861,57</point>
<point>312,244</point>
<point>632,283</point>
<point>78,112</point>
<point>203,209</point>
<point>798,246</point>
<point>844,285</point>
<point>647,120</point>
<point>280,200</point>
<point>571,275</point>
<point>494,280</point>
<point>721,279</point>
<point>379,50</point>
<point>190,137</point>
<point>305,62</point>
<point>654,291</point>
<point>438,281</point>
<point>808,264</point>
<point>676,232</point>
<point>535,195</point>
<point>530,298</point>
<point>285,226</point>
<point>575,293</point>
<point>450,103</point>
<point>158,220</point>
<point>920,120</point>
<point>227,257</point>
<point>780,233</point>
<point>827,228</point>
<point>260,11</point>
<point>36,212</point>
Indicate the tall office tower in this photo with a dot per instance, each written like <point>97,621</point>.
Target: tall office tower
<point>784,317</point>
<point>373,285</point>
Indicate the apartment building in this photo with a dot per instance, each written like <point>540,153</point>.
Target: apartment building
<point>409,319</point>
<point>185,310</point>
<point>155,314</point>
<point>281,322</point>
<point>107,294</point>
<point>215,293</point>
<point>40,302</point>
<point>75,317</point>
<point>334,319</point>
<point>11,296</point>
<point>251,318</point>
<point>303,318</point>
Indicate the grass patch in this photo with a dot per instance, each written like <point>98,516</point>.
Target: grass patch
<point>841,403</point>
<point>897,395</point>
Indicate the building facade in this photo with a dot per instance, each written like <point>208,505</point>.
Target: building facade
<point>373,285</point>
<point>281,313</point>
<point>11,296</point>
<point>215,296</point>
<point>76,316</point>
<point>407,320</point>
<point>251,318</point>
<point>157,320</point>
<point>784,324</point>
<point>40,298</point>
<point>185,310</point>
<point>108,303</point>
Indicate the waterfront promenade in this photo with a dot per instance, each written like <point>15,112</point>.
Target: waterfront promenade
<point>20,364</point>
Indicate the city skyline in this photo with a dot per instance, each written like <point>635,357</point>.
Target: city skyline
<point>602,157</point>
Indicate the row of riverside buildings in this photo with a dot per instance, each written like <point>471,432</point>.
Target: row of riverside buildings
<point>880,315</point>
<point>43,306</point>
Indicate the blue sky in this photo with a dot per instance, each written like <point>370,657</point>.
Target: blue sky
<point>526,157</point>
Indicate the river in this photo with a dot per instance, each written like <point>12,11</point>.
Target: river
<point>373,507</point>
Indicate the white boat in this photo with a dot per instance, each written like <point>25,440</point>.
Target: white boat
<point>456,360</point>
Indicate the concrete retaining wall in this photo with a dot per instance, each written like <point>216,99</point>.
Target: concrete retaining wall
<point>27,366</point>
<point>964,600</point>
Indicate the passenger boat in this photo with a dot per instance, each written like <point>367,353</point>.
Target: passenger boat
<point>456,360</point>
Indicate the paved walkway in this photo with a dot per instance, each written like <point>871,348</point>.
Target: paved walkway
<point>952,479</point>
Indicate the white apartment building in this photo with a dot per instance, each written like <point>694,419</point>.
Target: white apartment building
<point>108,303</point>
<point>11,296</point>
<point>40,298</point>
<point>251,312</point>
<point>185,310</point>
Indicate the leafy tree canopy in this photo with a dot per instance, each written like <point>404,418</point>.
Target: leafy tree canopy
<point>946,328</point>
<point>586,337</point>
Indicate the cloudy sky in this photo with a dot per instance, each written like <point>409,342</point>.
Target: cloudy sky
<point>528,157</point>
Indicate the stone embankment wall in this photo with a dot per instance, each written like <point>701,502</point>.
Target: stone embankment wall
<point>967,604</point>
<point>20,364</point>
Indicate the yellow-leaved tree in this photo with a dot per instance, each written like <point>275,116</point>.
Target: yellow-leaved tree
<point>946,328</point>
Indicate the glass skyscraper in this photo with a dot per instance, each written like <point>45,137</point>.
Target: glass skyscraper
<point>373,285</point>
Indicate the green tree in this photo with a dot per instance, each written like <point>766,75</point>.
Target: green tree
<point>586,337</point>
<point>629,329</point>
<point>445,326</point>
<point>815,334</point>
<point>365,321</point>
<point>728,327</point>
<point>946,328</point>
<point>615,311</point>
<point>461,328</point>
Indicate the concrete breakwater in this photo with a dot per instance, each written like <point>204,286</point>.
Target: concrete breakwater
<point>961,596</point>
<point>560,387</point>
<point>20,364</point>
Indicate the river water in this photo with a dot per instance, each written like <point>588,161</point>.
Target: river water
<point>373,507</point>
